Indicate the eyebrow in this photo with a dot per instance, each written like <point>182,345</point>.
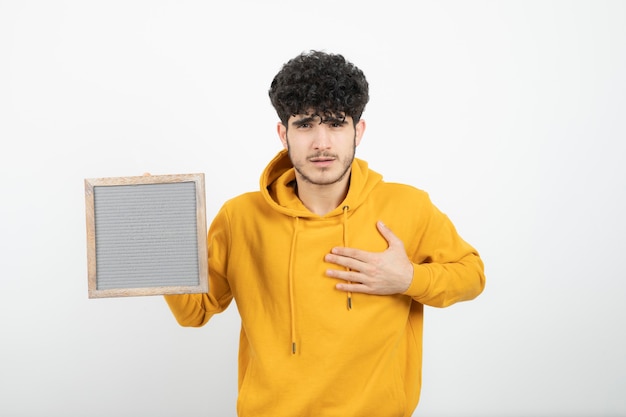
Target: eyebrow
<point>305,120</point>
<point>310,118</point>
<point>335,119</point>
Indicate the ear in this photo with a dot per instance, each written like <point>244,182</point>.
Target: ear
<point>282,133</point>
<point>359,130</point>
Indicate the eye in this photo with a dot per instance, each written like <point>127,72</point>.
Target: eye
<point>336,124</point>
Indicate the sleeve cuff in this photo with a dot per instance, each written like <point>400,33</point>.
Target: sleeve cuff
<point>421,281</point>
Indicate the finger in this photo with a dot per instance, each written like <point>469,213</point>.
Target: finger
<point>345,261</point>
<point>351,276</point>
<point>353,253</point>
<point>354,288</point>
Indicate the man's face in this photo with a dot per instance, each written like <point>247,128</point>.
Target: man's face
<point>321,150</point>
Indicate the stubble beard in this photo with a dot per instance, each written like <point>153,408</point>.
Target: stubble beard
<point>347,163</point>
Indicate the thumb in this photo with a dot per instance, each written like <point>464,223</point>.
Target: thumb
<point>389,236</point>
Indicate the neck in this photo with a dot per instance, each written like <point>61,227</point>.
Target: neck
<point>322,199</point>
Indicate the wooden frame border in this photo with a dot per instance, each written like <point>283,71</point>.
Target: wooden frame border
<point>201,223</point>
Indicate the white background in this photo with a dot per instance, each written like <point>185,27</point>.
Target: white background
<point>511,114</point>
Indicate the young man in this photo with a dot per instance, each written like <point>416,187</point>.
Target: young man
<point>329,265</point>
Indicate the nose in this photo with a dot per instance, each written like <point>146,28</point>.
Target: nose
<point>322,137</point>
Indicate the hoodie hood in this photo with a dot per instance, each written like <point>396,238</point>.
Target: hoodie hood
<point>278,187</point>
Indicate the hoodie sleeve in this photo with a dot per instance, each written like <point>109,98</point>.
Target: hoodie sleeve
<point>195,310</point>
<point>446,269</point>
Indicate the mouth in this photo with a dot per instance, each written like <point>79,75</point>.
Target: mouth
<point>321,158</point>
<point>322,161</point>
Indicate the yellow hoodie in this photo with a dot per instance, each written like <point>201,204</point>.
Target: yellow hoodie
<point>302,351</point>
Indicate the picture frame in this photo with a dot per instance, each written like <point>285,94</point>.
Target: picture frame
<point>146,235</point>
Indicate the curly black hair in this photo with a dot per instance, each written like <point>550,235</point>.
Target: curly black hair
<point>322,83</point>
